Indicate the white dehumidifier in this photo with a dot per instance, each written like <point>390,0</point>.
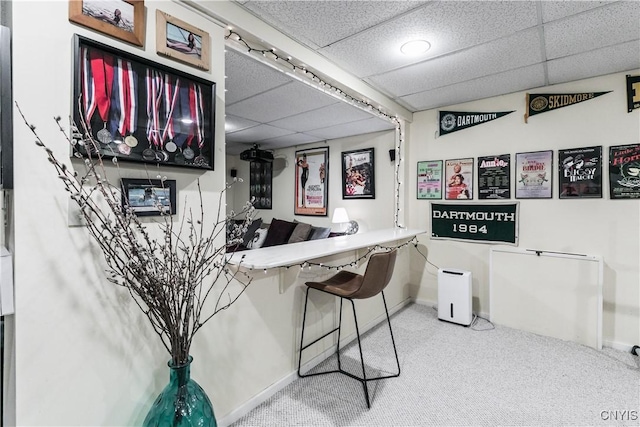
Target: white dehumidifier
<point>454,296</point>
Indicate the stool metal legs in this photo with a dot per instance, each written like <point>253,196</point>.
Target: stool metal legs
<point>364,380</point>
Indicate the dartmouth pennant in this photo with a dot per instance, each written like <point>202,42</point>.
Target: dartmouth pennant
<point>538,103</point>
<point>452,121</point>
<point>633,92</point>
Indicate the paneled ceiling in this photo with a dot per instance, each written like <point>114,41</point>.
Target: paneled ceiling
<point>479,49</point>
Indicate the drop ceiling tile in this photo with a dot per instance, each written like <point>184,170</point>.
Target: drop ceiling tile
<point>340,19</point>
<point>521,49</point>
<point>289,140</point>
<point>360,127</point>
<point>485,87</point>
<point>284,101</point>
<point>597,62</point>
<point>552,10</point>
<point>234,124</point>
<point>447,25</point>
<point>605,26</point>
<point>247,77</point>
<point>330,115</point>
<point>256,133</point>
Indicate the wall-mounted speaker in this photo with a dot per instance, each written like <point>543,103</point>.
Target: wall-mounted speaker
<point>234,173</point>
<point>392,155</point>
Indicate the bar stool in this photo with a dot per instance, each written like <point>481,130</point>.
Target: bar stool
<point>350,286</point>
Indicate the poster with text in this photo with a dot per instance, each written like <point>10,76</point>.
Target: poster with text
<point>580,172</point>
<point>534,172</point>
<point>430,180</point>
<point>312,167</point>
<point>493,177</point>
<point>459,179</point>
<point>624,171</point>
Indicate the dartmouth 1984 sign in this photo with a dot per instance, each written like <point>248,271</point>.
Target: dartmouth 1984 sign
<point>482,223</point>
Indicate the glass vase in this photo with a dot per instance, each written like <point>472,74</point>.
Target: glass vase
<point>182,403</point>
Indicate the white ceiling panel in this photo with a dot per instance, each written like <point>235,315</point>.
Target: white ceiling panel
<point>353,128</point>
<point>485,87</point>
<point>289,140</point>
<point>519,50</point>
<point>234,124</point>
<point>596,62</point>
<point>552,10</point>
<point>601,27</point>
<point>340,19</point>
<point>448,26</point>
<point>248,77</point>
<point>334,114</point>
<point>256,134</point>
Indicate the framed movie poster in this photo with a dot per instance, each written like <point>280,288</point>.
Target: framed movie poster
<point>429,180</point>
<point>494,174</point>
<point>580,173</point>
<point>458,179</point>
<point>140,111</point>
<point>260,182</point>
<point>358,174</point>
<point>312,181</point>
<point>624,171</point>
<point>534,173</point>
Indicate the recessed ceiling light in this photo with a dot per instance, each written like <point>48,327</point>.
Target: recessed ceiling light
<point>415,47</point>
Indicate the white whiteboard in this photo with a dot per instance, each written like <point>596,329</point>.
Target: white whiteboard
<point>547,293</point>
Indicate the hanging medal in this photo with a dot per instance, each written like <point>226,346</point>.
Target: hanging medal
<point>154,100</point>
<point>200,160</point>
<point>171,96</point>
<point>130,119</point>
<point>102,70</point>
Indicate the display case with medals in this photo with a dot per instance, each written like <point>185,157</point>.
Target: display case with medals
<point>140,111</point>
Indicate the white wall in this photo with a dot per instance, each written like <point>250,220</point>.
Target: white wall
<point>600,227</point>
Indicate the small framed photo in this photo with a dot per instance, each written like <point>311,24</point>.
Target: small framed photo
<point>429,180</point>
<point>181,41</point>
<point>459,179</point>
<point>122,19</point>
<point>358,174</point>
<point>148,197</point>
<point>534,173</point>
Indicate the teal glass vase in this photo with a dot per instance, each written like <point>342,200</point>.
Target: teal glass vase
<point>182,403</point>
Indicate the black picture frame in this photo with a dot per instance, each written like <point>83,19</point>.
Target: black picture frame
<point>149,197</point>
<point>358,174</point>
<point>532,170</point>
<point>177,130</point>
<point>580,173</point>
<point>261,184</point>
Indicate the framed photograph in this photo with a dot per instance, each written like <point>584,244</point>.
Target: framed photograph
<point>624,172</point>
<point>358,174</point>
<point>260,183</point>
<point>122,19</point>
<point>148,197</point>
<point>137,110</point>
<point>494,173</point>
<point>181,41</point>
<point>459,179</point>
<point>312,182</point>
<point>534,174</point>
<point>580,173</point>
<point>429,180</point>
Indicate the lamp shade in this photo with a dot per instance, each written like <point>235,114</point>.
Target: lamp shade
<point>340,216</point>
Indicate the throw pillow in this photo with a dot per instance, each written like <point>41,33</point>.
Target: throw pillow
<point>279,232</point>
<point>319,233</point>
<point>251,230</point>
<point>300,233</point>
<point>259,237</point>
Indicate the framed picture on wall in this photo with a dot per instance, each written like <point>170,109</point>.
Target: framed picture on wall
<point>624,172</point>
<point>494,177</point>
<point>429,184</point>
<point>260,182</point>
<point>137,110</point>
<point>179,40</point>
<point>459,179</point>
<point>580,173</point>
<point>122,19</point>
<point>147,197</point>
<point>312,182</point>
<point>358,174</point>
<point>534,175</point>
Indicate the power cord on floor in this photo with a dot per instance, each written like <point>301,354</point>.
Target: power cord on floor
<point>473,322</point>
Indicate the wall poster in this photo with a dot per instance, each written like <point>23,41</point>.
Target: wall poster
<point>534,175</point>
<point>260,183</point>
<point>358,174</point>
<point>624,171</point>
<point>459,179</point>
<point>494,174</point>
<point>430,180</point>
<point>580,172</point>
<point>312,183</point>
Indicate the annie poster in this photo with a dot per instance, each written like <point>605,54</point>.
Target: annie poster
<point>624,171</point>
<point>312,185</point>
<point>458,179</point>
<point>534,171</point>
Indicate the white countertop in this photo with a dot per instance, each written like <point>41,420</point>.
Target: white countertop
<point>295,253</point>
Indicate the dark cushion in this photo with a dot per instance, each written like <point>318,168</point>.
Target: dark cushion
<point>279,232</point>
<point>300,233</point>
<point>251,230</point>
<point>319,233</point>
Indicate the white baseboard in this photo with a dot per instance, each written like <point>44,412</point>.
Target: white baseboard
<point>618,346</point>
<point>263,396</point>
